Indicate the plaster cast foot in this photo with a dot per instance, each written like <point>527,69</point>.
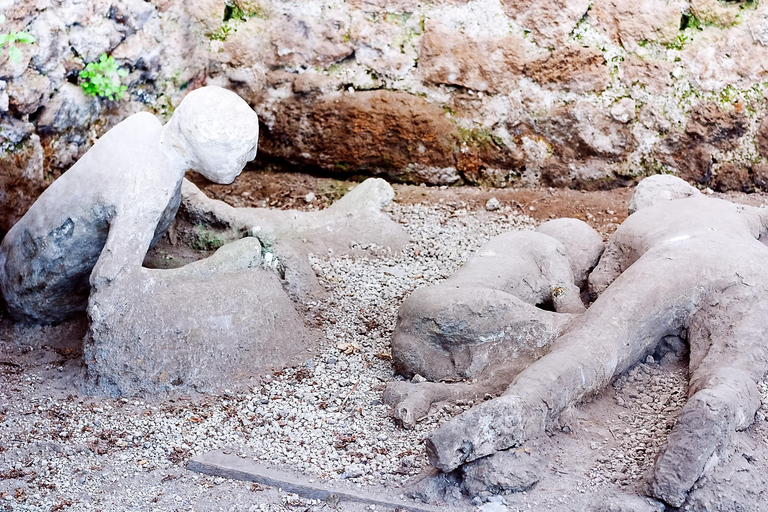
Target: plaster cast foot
<point>703,429</point>
<point>411,401</point>
<point>353,221</point>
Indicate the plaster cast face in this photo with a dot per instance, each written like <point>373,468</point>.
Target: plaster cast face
<point>216,131</point>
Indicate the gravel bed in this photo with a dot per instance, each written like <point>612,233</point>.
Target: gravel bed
<point>653,396</point>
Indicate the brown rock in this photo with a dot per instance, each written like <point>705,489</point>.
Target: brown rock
<point>555,173</point>
<point>302,42</point>
<point>249,45</point>
<point>21,181</point>
<point>732,177</point>
<point>760,176</point>
<point>761,138</point>
<point>373,132</point>
<point>208,13</point>
<point>571,67</point>
<point>484,159</point>
<point>709,123</point>
<point>653,74</point>
<point>29,92</point>
<point>550,21</point>
<point>279,77</point>
<point>14,10</point>
<point>691,158</point>
<point>631,23</point>
<point>587,132</point>
<point>722,14</point>
<point>489,64</point>
<point>311,81</point>
<point>718,58</point>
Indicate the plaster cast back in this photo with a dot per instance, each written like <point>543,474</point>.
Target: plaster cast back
<point>48,255</point>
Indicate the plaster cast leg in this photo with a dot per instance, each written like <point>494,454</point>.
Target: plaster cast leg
<point>437,337</point>
<point>705,425</point>
<point>354,220</point>
<point>728,356</point>
<point>209,325</point>
<point>620,328</point>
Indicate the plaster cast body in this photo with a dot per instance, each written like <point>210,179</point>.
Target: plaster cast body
<point>681,265</point>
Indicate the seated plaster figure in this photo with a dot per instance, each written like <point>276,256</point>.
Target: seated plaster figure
<point>211,324</point>
<point>104,213</point>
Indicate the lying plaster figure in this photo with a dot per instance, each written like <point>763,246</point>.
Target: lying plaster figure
<point>104,213</point>
<point>211,324</point>
<point>492,318</point>
<point>681,265</point>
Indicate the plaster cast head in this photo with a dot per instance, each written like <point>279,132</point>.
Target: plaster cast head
<point>215,132</point>
<point>659,188</point>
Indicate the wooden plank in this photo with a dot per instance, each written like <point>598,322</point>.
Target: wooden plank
<point>222,464</point>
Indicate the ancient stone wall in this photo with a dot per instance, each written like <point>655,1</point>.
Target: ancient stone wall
<point>576,93</point>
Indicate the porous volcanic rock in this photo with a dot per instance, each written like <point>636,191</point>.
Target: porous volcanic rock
<point>722,14</point>
<point>692,161</point>
<point>653,74</point>
<point>761,138</point>
<point>583,131</point>
<point>379,132</point>
<point>760,176</point>
<point>484,64</point>
<point>21,181</point>
<point>574,67</point>
<point>631,23</point>
<point>717,58</point>
<point>712,124</point>
<point>550,21</point>
<point>28,92</point>
<point>733,177</point>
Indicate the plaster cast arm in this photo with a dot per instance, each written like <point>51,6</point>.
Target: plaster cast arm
<point>127,244</point>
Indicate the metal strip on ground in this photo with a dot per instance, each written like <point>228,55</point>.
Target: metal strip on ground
<point>225,465</point>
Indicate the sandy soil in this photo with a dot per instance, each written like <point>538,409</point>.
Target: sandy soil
<point>63,450</point>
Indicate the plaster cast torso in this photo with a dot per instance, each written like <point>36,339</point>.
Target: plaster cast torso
<point>108,209</point>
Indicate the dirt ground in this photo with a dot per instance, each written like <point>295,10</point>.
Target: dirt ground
<point>595,460</point>
<point>604,210</point>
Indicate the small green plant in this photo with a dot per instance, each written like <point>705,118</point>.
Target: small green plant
<point>102,78</point>
<point>690,21</point>
<point>206,240</point>
<point>234,15</point>
<point>234,12</point>
<point>678,43</point>
<point>11,38</point>
<point>221,34</point>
